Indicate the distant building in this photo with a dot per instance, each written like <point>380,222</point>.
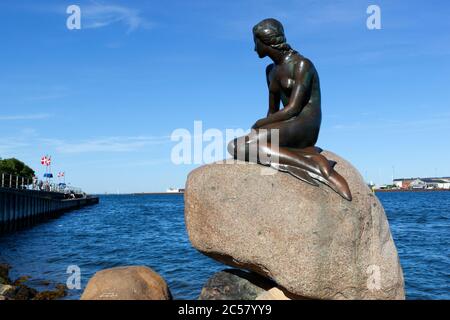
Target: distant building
<point>436,183</point>
<point>418,184</point>
<point>174,190</point>
<point>444,185</point>
<point>423,183</point>
<point>403,183</point>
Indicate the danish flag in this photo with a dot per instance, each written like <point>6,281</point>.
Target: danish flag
<point>46,161</point>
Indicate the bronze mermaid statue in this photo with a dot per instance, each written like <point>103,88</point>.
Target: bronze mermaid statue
<point>292,80</point>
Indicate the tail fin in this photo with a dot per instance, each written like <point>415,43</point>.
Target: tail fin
<point>296,172</point>
<point>332,163</point>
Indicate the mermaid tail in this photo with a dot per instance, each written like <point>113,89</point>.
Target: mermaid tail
<point>323,171</point>
<point>296,172</point>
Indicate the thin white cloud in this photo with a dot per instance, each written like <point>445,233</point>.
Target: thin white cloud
<point>102,15</point>
<point>28,137</point>
<point>105,144</point>
<point>436,122</point>
<point>10,145</point>
<point>116,162</point>
<point>22,140</point>
<point>95,13</point>
<point>133,164</point>
<point>300,18</point>
<point>38,116</point>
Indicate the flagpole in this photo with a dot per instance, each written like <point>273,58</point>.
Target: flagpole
<point>46,167</point>
<point>48,171</point>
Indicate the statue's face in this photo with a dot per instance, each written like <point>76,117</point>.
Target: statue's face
<point>259,47</point>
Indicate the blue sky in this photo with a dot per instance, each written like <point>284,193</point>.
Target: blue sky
<point>104,100</point>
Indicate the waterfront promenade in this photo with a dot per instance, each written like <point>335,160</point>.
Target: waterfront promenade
<point>21,206</point>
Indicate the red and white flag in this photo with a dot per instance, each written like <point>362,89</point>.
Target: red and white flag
<point>46,161</point>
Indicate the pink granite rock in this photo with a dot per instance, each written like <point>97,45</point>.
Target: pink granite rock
<point>126,283</point>
<point>308,239</point>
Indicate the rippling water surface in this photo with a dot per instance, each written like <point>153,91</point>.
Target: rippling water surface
<point>149,230</point>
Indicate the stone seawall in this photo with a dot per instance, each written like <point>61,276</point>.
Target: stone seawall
<point>20,208</point>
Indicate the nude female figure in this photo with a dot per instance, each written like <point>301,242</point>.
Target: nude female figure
<point>292,80</point>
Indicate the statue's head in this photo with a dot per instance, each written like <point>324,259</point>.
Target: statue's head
<point>269,33</point>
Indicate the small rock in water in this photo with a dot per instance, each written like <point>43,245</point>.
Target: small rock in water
<point>18,290</point>
<point>21,292</point>
<point>126,283</point>
<point>21,280</point>
<point>5,288</point>
<point>59,292</point>
<point>272,294</point>
<point>234,284</point>
<point>44,283</point>
<point>4,273</point>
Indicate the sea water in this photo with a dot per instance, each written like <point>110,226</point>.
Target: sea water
<point>150,230</point>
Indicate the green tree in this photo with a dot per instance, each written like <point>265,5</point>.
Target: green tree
<point>16,167</point>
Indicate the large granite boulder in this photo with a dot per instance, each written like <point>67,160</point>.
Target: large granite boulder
<point>126,283</point>
<point>308,239</point>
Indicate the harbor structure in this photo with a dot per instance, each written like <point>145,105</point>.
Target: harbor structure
<point>174,190</point>
<point>23,203</point>
<point>422,183</point>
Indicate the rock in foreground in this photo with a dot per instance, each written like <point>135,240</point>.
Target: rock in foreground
<point>308,239</point>
<point>4,273</point>
<point>234,284</point>
<point>126,283</point>
<point>272,294</point>
<point>19,290</point>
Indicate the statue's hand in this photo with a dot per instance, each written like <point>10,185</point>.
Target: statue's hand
<point>259,124</point>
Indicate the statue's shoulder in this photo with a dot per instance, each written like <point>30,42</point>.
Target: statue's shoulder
<point>304,62</point>
<point>305,65</point>
<point>269,68</point>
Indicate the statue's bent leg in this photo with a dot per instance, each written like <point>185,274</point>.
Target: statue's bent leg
<point>288,160</point>
<point>260,141</point>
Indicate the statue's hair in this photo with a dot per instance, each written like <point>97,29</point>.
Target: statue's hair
<point>271,32</point>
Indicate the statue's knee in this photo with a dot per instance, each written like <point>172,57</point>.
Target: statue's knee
<point>232,147</point>
<point>325,167</point>
<point>239,149</point>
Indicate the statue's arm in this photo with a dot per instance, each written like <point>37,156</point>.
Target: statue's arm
<point>297,99</point>
<point>274,97</point>
<point>274,103</point>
